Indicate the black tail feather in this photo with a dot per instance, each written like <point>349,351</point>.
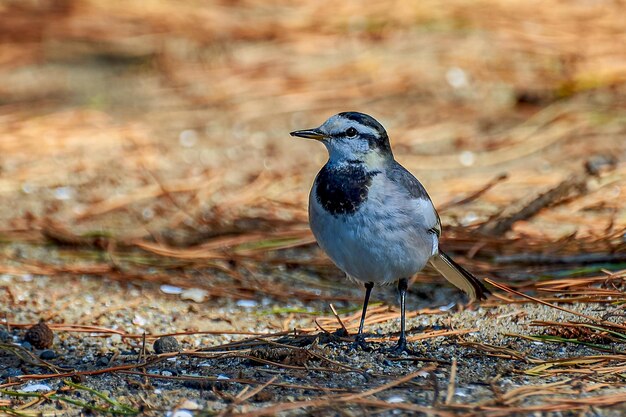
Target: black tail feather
<point>481,291</point>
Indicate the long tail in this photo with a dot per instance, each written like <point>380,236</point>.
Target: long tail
<point>459,276</point>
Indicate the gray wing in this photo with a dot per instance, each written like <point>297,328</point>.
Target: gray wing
<point>400,175</point>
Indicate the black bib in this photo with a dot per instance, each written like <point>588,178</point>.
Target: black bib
<point>342,189</point>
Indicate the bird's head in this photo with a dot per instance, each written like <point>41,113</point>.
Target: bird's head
<point>352,137</point>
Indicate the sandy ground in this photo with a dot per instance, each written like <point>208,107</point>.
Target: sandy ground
<point>484,383</point>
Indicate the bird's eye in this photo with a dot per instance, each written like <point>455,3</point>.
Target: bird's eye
<point>351,132</point>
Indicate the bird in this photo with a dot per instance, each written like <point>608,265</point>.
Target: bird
<point>373,218</point>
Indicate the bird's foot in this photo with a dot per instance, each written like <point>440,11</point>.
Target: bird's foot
<point>360,343</point>
<point>400,348</point>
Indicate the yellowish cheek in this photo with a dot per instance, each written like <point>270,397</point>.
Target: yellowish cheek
<point>374,160</point>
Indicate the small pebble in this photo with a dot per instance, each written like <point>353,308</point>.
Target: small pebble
<point>179,413</point>
<point>5,336</point>
<point>170,289</point>
<point>197,295</point>
<point>395,399</point>
<point>139,320</point>
<point>11,372</point>
<point>35,388</point>
<point>39,335</point>
<point>467,158</point>
<point>27,346</point>
<point>166,344</point>
<point>48,354</point>
<point>461,392</point>
<point>247,303</point>
<point>457,77</point>
<point>63,193</point>
<point>190,405</point>
<point>102,361</point>
<point>188,139</point>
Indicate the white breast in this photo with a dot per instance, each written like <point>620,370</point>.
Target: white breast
<point>386,239</point>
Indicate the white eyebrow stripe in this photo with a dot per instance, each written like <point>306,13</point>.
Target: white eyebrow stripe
<point>366,129</point>
<point>361,128</point>
<point>338,125</point>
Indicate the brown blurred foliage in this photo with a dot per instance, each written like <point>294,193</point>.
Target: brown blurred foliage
<point>178,112</point>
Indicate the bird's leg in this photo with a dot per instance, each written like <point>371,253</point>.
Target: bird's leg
<point>368,291</point>
<point>401,347</point>
<point>360,339</point>
<point>402,287</point>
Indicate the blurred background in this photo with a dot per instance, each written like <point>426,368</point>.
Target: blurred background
<point>163,118</point>
<point>149,186</point>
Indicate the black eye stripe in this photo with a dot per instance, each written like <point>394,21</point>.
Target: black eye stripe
<point>344,135</point>
<point>362,135</point>
<point>377,142</point>
<point>364,120</point>
<point>374,141</point>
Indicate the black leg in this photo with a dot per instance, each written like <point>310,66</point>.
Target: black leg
<point>400,347</point>
<point>360,340</point>
<point>403,284</point>
<point>368,291</point>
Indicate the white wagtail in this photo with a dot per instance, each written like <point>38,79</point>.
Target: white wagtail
<point>372,217</point>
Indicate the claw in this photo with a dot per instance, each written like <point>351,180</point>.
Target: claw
<point>400,348</point>
<point>360,343</point>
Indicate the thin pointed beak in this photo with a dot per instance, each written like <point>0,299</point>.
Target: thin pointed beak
<point>316,134</point>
